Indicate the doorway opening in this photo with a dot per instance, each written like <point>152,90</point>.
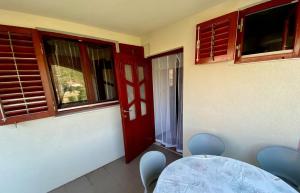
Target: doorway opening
<point>167,76</point>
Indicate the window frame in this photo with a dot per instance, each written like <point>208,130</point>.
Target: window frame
<point>281,54</point>
<point>86,70</point>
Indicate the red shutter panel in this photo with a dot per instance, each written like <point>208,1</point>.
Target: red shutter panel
<point>24,92</point>
<point>204,43</point>
<point>215,39</point>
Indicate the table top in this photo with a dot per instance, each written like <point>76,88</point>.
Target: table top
<point>216,174</point>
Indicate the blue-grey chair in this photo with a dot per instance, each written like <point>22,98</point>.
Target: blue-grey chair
<point>206,144</point>
<point>152,164</point>
<point>282,162</point>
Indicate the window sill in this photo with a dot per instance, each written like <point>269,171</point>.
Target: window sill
<point>267,53</point>
<point>276,55</point>
<point>83,108</point>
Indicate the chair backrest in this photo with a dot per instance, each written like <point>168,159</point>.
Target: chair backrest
<point>206,144</point>
<point>281,161</point>
<point>152,164</point>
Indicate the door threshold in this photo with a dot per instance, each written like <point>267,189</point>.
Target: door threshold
<point>169,149</point>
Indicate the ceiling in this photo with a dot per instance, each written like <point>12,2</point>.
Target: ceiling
<point>134,17</point>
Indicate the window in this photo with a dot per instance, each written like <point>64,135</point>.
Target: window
<point>63,57</point>
<point>82,73</point>
<point>42,73</point>
<point>24,89</point>
<point>215,39</point>
<point>103,72</point>
<point>268,31</point>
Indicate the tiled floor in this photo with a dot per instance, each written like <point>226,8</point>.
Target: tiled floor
<point>115,177</point>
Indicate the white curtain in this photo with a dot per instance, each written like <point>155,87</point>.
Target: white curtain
<point>167,89</point>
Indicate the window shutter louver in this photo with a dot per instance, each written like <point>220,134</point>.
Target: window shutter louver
<point>215,39</point>
<point>24,94</point>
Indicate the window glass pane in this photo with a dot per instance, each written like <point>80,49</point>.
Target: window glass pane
<point>132,112</point>
<point>141,73</point>
<point>142,91</point>
<point>128,72</point>
<point>63,58</point>
<point>130,93</point>
<point>270,30</point>
<point>101,60</point>
<point>143,108</point>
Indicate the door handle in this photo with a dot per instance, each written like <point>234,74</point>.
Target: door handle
<point>127,111</point>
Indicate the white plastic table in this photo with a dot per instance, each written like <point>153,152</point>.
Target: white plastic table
<point>216,174</point>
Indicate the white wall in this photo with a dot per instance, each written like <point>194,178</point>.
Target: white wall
<point>40,155</point>
<point>248,105</point>
<point>34,21</point>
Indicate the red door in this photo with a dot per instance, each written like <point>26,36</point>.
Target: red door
<point>134,74</point>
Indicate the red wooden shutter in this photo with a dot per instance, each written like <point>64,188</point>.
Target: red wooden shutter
<point>215,39</point>
<point>24,92</point>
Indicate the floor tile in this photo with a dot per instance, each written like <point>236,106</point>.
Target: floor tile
<point>80,185</point>
<point>103,182</point>
<point>115,177</point>
<point>59,190</point>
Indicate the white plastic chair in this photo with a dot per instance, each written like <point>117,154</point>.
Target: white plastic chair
<point>152,164</point>
<point>206,144</point>
<point>282,162</point>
